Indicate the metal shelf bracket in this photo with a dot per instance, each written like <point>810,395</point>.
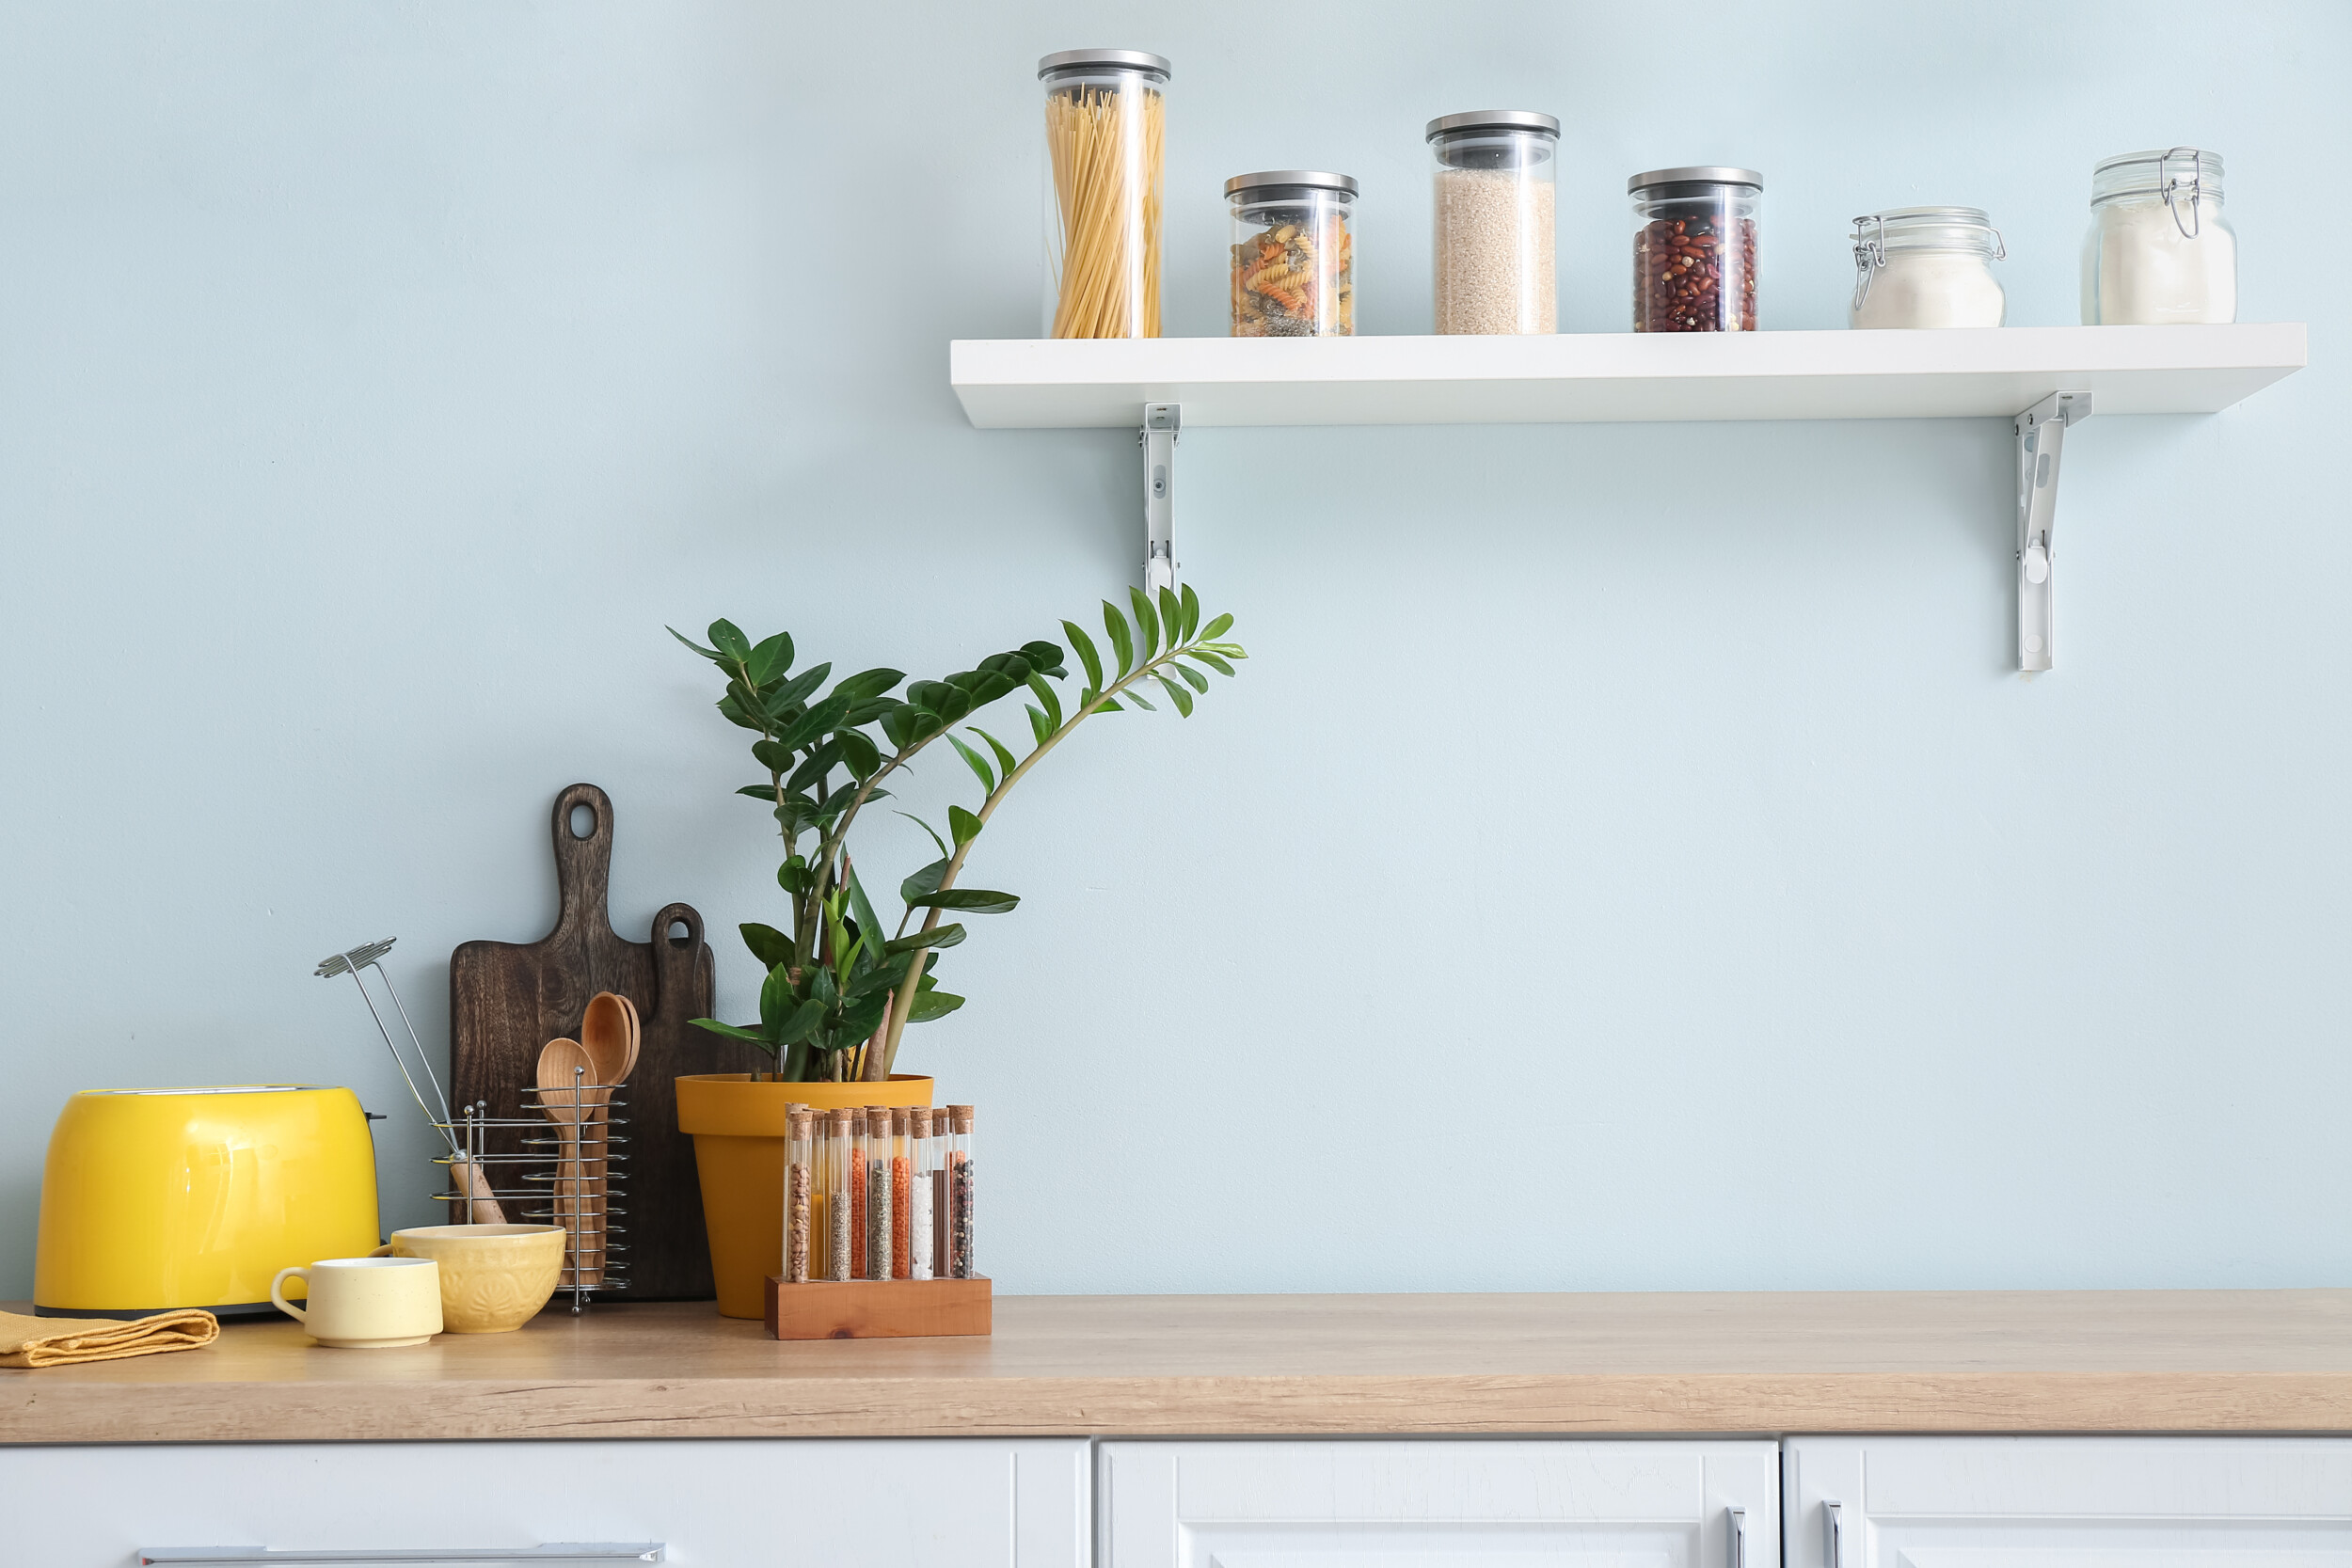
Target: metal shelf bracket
<point>1161,424</point>
<point>2041,442</point>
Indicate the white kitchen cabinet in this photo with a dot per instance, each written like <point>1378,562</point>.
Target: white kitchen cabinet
<point>1667,1504</point>
<point>743,1503</point>
<point>2069,1502</point>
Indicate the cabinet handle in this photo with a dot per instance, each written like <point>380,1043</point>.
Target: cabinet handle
<point>1739,1537</point>
<point>1832,1535</point>
<point>578,1553</point>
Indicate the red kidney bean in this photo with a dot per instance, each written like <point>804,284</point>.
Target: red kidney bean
<point>1679,266</point>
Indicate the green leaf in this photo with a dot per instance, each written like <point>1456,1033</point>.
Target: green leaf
<point>932,1004</point>
<point>730,642</point>
<point>775,756</point>
<point>1078,639</point>
<point>819,720</point>
<point>1146,624</point>
<point>731,1031</point>
<point>771,946</point>
<point>1111,706</point>
<point>803,1022</point>
<point>900,723</point>
<point>775,1001</point>
<point>892,974</point>
<point>1217,628</point>
<point>1005,763</point>
<point>766,792</point>
<point>1138,698</point>
<point>1193,677</point>
<point>711,654</point>
<point>1122,640</point>
<point>945,936</point>
<point>1214,661</point>
<point>1051,697</point>
<point>1041,729</point>
<point>962,823</point>
<point>924,882</point>
<point>860,752</point>
<point>1171,617</point>
<point>869,925</point>
<point>972,760</point>
<point>972,900</point>
<point>790,695</point>
<point>811,772</point>
<point>1192,614</point>
<point>771,658</point>
<point>868,684</point>
<point>792,876</point>
<point>928,828</point>
<point>1177,694</point>
<point>735,715</point>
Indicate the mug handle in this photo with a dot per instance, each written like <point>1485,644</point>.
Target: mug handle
<point>278,1293</point>
<point>384,1251</point>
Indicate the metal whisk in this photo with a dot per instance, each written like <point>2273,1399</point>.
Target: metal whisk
<point>482,1210</point>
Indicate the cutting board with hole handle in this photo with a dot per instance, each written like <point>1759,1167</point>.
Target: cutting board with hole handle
<point>507,1000</point>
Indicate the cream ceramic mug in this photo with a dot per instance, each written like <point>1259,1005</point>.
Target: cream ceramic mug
<point>366,1303</point>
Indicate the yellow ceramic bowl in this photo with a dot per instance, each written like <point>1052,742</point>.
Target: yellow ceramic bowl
<point>494,1277</point>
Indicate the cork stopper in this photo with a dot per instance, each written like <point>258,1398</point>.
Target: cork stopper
<point>899,1121</point>
<point>798,1120</point>
<point>919,1121</point>
<point>962,1116</point>
<point>840,1120</point>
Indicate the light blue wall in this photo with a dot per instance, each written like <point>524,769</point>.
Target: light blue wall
<point>1627,860</point>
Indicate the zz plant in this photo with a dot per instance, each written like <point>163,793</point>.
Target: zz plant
<point>840,991</point>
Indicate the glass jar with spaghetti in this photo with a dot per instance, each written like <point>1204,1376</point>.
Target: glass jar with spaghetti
<point>1105,144</point>
<point>1294,254</point>
<point>1695,249</point>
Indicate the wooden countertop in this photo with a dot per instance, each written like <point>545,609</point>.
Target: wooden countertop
<point>1105,1366</point>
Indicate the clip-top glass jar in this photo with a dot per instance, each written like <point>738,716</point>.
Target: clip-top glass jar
<point>1106,153</point>
<point>1695,249</point>
<point>1294,254</point>
<point>1927,267</point>
<point>1497,170</point>
<point>2159,250</point>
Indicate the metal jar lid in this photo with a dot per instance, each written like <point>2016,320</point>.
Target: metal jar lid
<point>1927,227</point>
<point>1313,178</point>
<point>1104,59</point>
<point>1695,175</point>
<point>1493,120</point>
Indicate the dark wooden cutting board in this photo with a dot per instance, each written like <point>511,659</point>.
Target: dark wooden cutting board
<point>507,1000</point>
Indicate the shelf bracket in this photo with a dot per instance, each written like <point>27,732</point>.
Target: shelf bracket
<point>1161,424</point>
<point>2041,442</point>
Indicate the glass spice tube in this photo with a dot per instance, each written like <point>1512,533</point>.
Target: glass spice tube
<point>877,1193</point>
<point>901,1193</point>
<point>838,1205</point>
<point>857,1194</point>
<point>919,1193</point>
<point>960,1194</point>
<point>796,1168</point>
<point>819,1184</point>
<point>941,1142</point>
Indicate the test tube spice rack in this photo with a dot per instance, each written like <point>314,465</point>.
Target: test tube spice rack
<point>877,1226</point>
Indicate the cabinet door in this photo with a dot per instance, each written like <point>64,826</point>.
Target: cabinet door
<point>1470,1501</point>
<point>839,1504</point>
<point>2069,1502</point>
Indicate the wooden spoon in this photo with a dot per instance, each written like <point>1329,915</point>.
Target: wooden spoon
<point>563,1067</point>
<point>608,1034</point>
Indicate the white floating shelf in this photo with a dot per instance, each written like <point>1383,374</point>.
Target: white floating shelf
<point>1029,383</point>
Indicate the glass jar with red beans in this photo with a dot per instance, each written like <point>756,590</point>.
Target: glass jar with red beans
<point>1695,249</point>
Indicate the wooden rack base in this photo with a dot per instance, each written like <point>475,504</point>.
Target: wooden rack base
<point>877,1309</point>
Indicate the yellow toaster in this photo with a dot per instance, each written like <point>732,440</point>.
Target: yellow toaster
<point>197,1197</point>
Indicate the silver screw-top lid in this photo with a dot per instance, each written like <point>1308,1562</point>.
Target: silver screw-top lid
<point>1317,179</point>
<point>1104,59</point>
<point>1696,174</point>
<point>1491,119</point>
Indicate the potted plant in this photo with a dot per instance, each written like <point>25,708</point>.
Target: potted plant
<point>842,985</point>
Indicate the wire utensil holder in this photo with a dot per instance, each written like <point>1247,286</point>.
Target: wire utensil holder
<point>569,1169</point>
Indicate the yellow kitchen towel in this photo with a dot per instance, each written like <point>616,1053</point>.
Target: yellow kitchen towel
<point>63,1341</point>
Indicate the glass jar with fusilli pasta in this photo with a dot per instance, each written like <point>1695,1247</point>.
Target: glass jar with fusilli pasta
<point>1106,153</point>
<point>1294,254</point>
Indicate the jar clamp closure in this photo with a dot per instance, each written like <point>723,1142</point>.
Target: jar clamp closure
<point>1927,267</point>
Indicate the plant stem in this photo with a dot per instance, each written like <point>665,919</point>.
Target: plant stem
<point>895,1022</point>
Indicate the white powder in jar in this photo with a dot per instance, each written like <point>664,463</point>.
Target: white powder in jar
<point>1494,261</point>
<point>1932,289</point>
<point>2140,269</point>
